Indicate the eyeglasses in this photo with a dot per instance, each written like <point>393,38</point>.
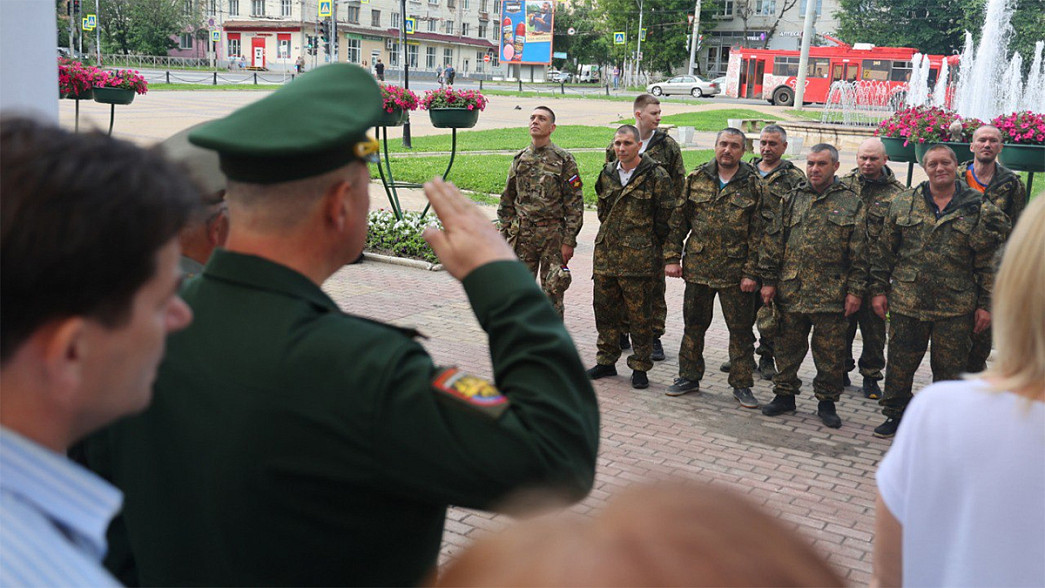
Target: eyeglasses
<point>368,149</point>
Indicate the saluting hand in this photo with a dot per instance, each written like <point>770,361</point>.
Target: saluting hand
<point>468,239</point>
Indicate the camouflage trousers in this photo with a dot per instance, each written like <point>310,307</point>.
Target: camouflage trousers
<point>828,344</point>
<point>765,344</point>
<point>908,340</point>
<point>872,330</point>
<point>541,251</point>
<point>660,307</point>
<point>981,350</point>
<point>620,301</point>
<point>739,314</point>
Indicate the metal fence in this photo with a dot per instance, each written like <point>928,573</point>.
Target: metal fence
<point>157,61</point>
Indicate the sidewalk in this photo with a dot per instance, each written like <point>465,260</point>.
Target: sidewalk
<point>819,480</point>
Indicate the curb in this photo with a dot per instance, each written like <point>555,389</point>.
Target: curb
<point>414,263</point>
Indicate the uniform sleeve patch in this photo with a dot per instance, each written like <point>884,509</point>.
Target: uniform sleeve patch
<point>471,391</point>
<point>575,181</point>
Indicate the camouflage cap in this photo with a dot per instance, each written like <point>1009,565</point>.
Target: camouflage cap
<point>768,319</point>
<point>559,279</point>
<point>314,124</point>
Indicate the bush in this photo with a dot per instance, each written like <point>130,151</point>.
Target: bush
<point>401,238</point>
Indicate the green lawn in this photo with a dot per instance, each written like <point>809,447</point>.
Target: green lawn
<point>516,138</point>
<point>713,120</point>
<point>553,94</point>
<point>179,87</point>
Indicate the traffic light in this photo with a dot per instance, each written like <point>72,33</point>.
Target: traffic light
<point>324,31</point>
<point>76,6</point>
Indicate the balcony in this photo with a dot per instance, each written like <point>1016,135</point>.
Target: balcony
<point>484,16</point>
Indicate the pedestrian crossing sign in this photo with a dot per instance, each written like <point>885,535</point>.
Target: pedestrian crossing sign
<point>618,38</point>
<point>215,36</point>
<point>411,25</point>
<point>324,9</point>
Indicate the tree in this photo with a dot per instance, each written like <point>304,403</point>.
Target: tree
<point>589,43</point>
<point>145,26</point>
<point>667,29</point>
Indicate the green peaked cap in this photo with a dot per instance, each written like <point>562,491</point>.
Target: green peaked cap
<point>306,128</point>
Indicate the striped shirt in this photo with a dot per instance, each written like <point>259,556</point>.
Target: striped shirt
<point>53,517</point>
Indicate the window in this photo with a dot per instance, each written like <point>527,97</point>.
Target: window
<point>411,55</point>
<point>212,7</point>
<point>353,14</point>
<point>765,7</point>
<point>395,20</point>
<point>900,72</point>
<point>451,4</point>
<point>233,7</point>
<point>234,47</point>
<point>449,27</point>
<point>465,4</point>
<point>353,50</point>
<point>188,7</point>
<point>285,7</point>
<point>375,18</point>
<point>393,54</point>
<point>430,57</point>
<point>788,66</point>
<point>185,41</point>
<point>819,7</point>
<point>727,8</point>
<point>257,7</point>
<point>497,6</point>
<point>483,4</point>
<point>482,30</point>
<point>876,69</point>
<point>479,60</point>
<point>448,56</point>
<point>464,29</point>
<point>431,25</point>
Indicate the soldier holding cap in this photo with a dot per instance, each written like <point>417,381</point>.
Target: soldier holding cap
<point>291,443</point>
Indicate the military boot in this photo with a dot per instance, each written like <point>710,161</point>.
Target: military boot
<point>828,415</point>
<point>781,404</point>
<point>639,381</point>
<point>602,371</point>
<point>766,367</point>
<point>887,429</point>
<point>725,367</point>
<point>658,351</point>
<point>871,389</point>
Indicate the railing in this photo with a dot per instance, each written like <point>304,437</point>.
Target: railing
<point>116,59</point>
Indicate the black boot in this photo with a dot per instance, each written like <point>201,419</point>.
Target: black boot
<point>725,367</point>
<point>658,351</point>
<point>887,429</point>
<point>871,389</point>
<point>781,404</point>
<point>602,371</point>
<point>766,367</point>
<point>639,381</point>
<point>828,415</point>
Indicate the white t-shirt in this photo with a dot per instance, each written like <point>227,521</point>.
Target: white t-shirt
<point>966,479</point>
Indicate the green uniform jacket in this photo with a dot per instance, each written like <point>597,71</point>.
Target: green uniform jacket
<point>877,195</point>
<point>814,250</point>
<point>933,269</point>
<point>665,151</point>
<point>289,443</point>
<point>724,227</point>
<point>633,220</point>
<point>784,178</point>
<point>1005,190</point>
<point>543,190</point>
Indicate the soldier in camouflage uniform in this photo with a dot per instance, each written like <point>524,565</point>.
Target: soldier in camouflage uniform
<point>814,253</point>
<point>636,200</point>
<point>721,214</point>
<point>664,150</point>
<point>1005,190</point>
<point>933,274</point>
<point>542,207</point>
<point>877,186</point>
<point>781,177</point>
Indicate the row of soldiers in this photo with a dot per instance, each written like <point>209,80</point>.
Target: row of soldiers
<point>814,255</point>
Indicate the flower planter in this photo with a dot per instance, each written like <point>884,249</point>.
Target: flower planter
<point>961,150</point>
<point>453,118</point>
<point>85,95</point>
<point>897,151</point>
<point>113,95</point>
<point>391,119</point>
<point>1022,157</point>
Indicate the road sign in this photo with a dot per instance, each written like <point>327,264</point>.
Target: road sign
<point>571,31</point>
<point>411,25</point>
<point>92,20</point>
<point>86,25</point>
<point>618,38</point>
<point>324,9</point>
<point>559,55</point>
<point>215,36</point>
<point>486,58</point>
<point>643,34</point>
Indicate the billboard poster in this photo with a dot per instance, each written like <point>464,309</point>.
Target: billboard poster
<point>526,31</point>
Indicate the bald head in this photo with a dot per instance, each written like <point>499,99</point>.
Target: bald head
<point>871,158</point>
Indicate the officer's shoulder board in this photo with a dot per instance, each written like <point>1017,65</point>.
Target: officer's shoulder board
<point>469,391</point>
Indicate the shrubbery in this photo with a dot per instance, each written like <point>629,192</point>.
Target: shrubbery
<point>401,238</point>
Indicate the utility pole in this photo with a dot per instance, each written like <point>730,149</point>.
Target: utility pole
<point>98,32</point>
<point>406,68</point>
<point>693,39</point>
<point>803,59</point>
<point>334,48</point>
<point>638,52</point>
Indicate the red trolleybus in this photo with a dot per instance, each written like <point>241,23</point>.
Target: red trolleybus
<point>772,74</point>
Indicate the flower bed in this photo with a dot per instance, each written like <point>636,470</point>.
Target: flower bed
<point>398,97</point>
<point>401,238</point>
<point>926,124</point>
<point>1025,128</point>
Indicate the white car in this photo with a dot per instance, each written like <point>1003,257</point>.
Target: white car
<point>692,85</point>
<point>557,76</point>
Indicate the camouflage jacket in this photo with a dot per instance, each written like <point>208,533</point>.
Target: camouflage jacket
<point>543,190</point>
<point>665,151</point>
<point>724,227</point>
<point>1005,190</point>
<point>942,268</point>
<point>814,249</point>
<point>633,220</point>
<point>877,195</point>
<point>785,177</point>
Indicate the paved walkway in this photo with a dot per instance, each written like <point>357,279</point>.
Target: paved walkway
<point>819,480</point>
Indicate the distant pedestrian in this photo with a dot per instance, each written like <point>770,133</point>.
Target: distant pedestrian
<point>439,75</point>
<point>300,64</point>
<point>450,73</point>
<point>616,77</point>
<point>379,69</point>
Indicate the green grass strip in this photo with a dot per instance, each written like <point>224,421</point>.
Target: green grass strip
<point>159,87</point>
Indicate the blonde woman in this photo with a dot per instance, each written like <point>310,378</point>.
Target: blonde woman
<point>961,493</point>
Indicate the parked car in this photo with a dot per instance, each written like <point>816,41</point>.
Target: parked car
<point>721,81</point>
<point>692,85</point>
<point>557,76</point>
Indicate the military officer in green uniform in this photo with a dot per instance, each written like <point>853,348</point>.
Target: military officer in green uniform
<point>813,262</point>
<point>877,186</point>
<point>781,177</point>
<point>661,148</point>
<point>1005,190</point>
<point>719,226</point>
<point>292,443</point>
<point>542,206</point>
<point>933,275</point>
<point>636,199</point>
